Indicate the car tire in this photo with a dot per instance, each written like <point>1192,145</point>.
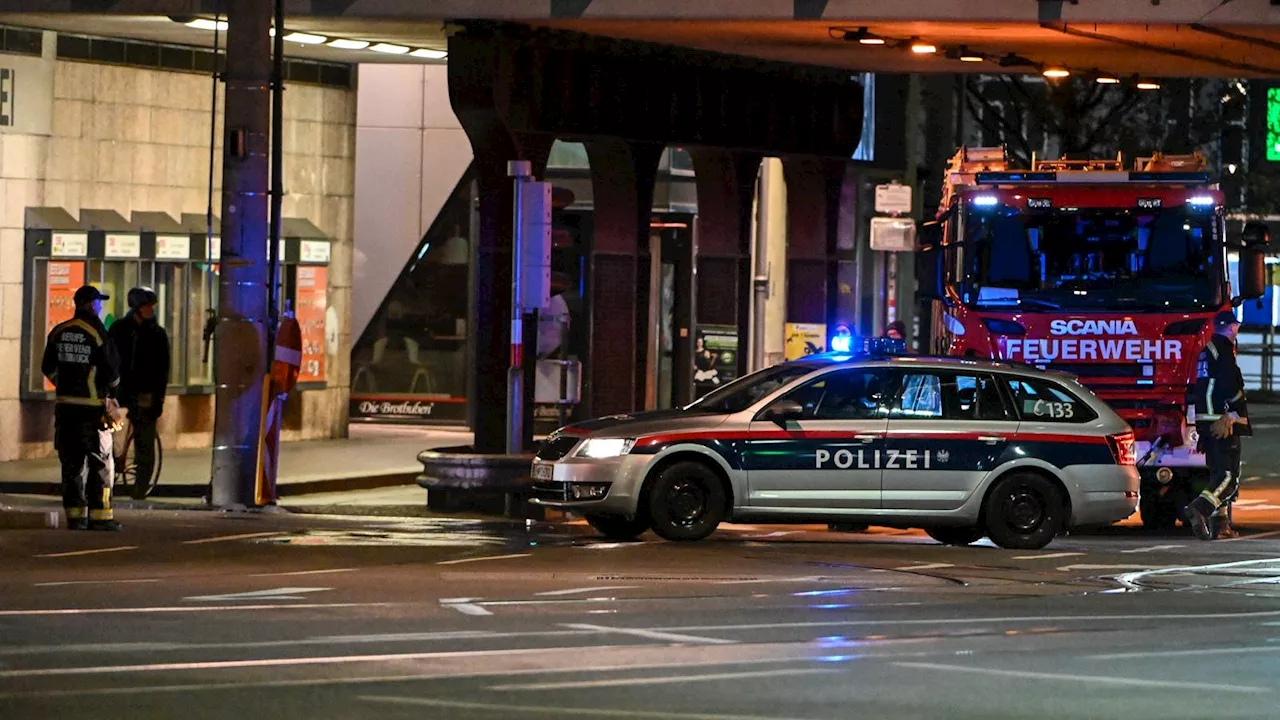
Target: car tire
<point>619,527</point>
<point>686,502</point>
<point>955,535</point>
<point>1024,511</point>
<point>1158,513</point>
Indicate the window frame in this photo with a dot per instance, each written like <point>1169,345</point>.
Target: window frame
<point>880,413</point>
<point>1010,378</point>
<point>1006,402</point>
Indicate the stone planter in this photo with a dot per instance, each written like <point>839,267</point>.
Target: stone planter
<point>459,479</point>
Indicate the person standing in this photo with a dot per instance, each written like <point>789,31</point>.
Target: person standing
<point>1222,417</point>
<point>81,362</point>
<point>143,346</point>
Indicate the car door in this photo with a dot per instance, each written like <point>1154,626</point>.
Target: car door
<point>946,430</point>
<point>827,457</point>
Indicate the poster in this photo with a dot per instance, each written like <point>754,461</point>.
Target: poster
<point>62,280</point>
<point>715,357</point>
<point>312,304</point>
<point>805,339</point>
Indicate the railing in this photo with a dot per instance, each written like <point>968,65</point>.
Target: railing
<point>1259,360</point>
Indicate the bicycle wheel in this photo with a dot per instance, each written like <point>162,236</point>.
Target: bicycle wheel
<point>126,464</point>
<point>155,473</point>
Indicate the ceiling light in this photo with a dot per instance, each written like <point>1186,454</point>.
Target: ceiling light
<point>206,24</point>
<point>871,40</point>
<point>1056,72</point>
<point>1148,85</point>
<point>390,49</point>
<point>1107,80</point>
<point>923,48</point>
<point>429,54</point>
<point>345,44</point>
<point>964,54</point>
<point>863,37</point>
<point>971,57</point>
<point>305,38</point>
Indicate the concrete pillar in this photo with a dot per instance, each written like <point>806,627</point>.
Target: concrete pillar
<point>242,303</point>
<point>622,180</point>
<point>725,181</point>
<point>776,241</point>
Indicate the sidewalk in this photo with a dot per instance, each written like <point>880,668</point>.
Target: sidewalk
<point>374,456</point>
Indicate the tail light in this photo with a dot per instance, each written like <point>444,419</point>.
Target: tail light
<point>1122,448</point>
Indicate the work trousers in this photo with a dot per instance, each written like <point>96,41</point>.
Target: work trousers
<point>144,451</point>
<point>88,467</point>
<point>1223,458</point>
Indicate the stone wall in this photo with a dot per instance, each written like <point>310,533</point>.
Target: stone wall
<point>131,139</point>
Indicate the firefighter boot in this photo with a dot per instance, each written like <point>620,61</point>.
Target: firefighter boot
<point>1198,519</point>
<point>105,525</point>
<point>1222,524</point>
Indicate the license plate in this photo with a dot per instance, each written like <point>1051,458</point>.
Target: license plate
<point>542,472</point>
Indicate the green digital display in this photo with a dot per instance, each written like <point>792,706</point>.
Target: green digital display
<point>1273,124</point>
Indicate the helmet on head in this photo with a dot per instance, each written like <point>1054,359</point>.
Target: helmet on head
<point>141,297</point>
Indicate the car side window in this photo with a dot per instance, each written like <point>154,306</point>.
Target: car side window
<point>944,395</point>
<point>848,394</point>
<point>1046,401</point>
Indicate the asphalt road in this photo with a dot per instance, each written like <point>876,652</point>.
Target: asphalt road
<point>197,615</point>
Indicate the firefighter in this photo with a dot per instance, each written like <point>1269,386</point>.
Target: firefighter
<point>1221,419</point>
<point>143,348</point>
<point>80,361</point>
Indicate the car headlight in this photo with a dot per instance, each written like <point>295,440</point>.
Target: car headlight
<point>605,447</point>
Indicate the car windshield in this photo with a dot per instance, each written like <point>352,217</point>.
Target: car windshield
<point>748,390</point>
<point>1105,258</point>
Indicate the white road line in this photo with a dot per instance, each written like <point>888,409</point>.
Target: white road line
<point>1047,556</point>
<point>620,682</point>
<point>228,538</point>
<point>510,710</point>
<point>306,572</point>
<point>287,593</point>
<point>94,582</point>
<point>191,609</point>
<point>780,533</point>
<point>577,591</point>
<point>466,606</point>
<point>1153,548</point>
<point>1096,679</point>
<point>481,559</point>
<point>1273,533</point>
<point>973,621</point>
<point>89,552</point>
<point>1248,650</point>
<point>650,634</point>
<point>930,566</point>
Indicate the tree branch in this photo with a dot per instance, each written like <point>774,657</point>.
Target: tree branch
<point>1006,130</point>
<point>1131,98</point>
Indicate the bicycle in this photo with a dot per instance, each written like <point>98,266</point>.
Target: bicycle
<point>126,466</point>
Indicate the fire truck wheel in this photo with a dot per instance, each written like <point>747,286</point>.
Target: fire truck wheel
<point>619,527</point>
<point>1024,511</point>
<point>687,501</point>
<point>1158,514</point>
<point>955,535</point>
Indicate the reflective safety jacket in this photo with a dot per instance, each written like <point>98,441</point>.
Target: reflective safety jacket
<point>1219,384</point>
<point>81,362</point>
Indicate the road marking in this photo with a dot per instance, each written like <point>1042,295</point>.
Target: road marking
<point>1153,548</point>
<point>89,552</point>
<point>780,533</point>
<point>620,682</point>
<point>94,582</point>
<point>306,572</point>
<point>291,593</point>
<point>188,609</point>
<point>466,606</point>
<point>1069,568</point>
<point>1129,580</point>
<point>1047,556</point>
<point>1273,533</point>
<point>227,538</point>
<point>508,710</point>
<point>1099,679</point>
<point>930,566</point>
<point>1178,653</point>
<point>650,634</point>
<point>576,591</point>
<point>481,559</point>
<point>971,621</point>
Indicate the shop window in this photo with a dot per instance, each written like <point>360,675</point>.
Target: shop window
<point>198,337</point>
<point>568,155</point>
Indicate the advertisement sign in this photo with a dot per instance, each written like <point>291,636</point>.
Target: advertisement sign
<point>173,247</point>
<point>312,303</point>
<point>122,246</point>
<point>70,244</point>
<point>805,339</point>
<point>62,280</point>
<point>715,357</point>
<point>408,408</point>
<point>313,251</point>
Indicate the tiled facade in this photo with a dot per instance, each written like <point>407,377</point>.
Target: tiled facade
<point>130,139</point>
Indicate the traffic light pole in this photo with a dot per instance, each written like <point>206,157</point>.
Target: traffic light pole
<point>520,171</point>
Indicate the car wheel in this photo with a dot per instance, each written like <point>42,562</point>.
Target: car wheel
<point>1158,513</point>
<point>1024,511</point>
<point>619,527</point>
<point>848,527</point>
<point>955,535</point>
<point>686,502</point>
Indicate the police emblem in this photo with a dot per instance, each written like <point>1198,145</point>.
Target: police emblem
<point>943,456</point>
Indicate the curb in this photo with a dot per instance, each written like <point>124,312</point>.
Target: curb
<point>306,487</point>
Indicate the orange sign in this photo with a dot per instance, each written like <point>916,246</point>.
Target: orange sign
<point>312,301</point>
<point>62,280</point>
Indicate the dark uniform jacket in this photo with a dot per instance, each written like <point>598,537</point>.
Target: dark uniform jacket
<point>144,363</point>
<point>81,361</point>
<point>1219,383</point>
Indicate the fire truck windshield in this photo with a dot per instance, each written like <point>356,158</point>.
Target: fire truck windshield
<point>1090,259</point>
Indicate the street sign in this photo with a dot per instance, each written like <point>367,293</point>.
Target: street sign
<point>893,234</point>
<point>894,199</point>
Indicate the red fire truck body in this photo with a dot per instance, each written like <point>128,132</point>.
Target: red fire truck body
<point>1110,275</point>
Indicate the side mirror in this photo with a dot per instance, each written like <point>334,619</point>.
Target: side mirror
<point>929,267</point>
<point>782,411</point>
<point>1255,237</point>
<point>1256,234</point>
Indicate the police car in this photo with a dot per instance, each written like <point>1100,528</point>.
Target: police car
<point>961,448</point>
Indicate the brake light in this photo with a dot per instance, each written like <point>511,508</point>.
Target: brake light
<point>1122,448</point>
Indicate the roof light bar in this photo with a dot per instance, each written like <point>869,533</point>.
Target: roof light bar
<point>1201,200</point>
<point>1007,178</point>
<point>985,200</point>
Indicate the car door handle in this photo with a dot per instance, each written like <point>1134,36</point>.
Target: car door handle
<point>992,439</point>
<point>866,437</point>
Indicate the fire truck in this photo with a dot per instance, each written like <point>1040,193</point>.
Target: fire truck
<point>1110,274</point>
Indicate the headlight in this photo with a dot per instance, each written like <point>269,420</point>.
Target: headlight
<point>605,447</point>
